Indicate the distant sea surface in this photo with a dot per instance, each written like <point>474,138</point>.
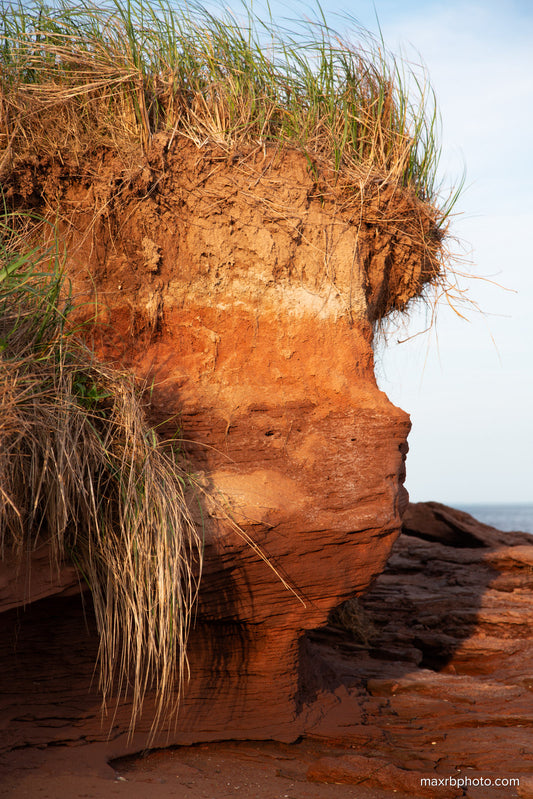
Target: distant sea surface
<point>503,517</point>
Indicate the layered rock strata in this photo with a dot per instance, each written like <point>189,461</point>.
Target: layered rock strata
<point>439,690</point>
<point>244,295</point>
<point>444,686</point>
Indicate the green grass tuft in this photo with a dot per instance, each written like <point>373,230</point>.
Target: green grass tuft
<point>76,77</point>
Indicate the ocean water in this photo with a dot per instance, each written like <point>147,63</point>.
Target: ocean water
<point>503,517</point>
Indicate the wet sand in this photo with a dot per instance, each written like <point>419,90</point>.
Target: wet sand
<point>251,770</point>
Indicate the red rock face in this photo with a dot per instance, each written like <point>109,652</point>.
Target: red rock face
<point>241,299</point>
<point>438,701</point>
<point>443,688</point>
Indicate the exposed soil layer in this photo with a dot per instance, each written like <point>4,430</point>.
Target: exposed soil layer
<point>443,689</point>
<point>140,214</point>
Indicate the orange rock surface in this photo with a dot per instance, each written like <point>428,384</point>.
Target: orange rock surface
<point>245,296</point>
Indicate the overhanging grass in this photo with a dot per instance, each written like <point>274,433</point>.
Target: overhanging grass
<point>81,470</point>
<point>76,77</point>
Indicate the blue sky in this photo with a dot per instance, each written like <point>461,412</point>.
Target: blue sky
<point>468,385</point>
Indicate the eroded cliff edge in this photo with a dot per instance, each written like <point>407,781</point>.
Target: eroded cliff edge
<point>244,290</point>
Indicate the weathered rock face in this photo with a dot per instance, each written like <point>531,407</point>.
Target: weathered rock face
<point>444,687</point>
<point>441,690</point>
<point>244,297</point>
<point>240,294</point>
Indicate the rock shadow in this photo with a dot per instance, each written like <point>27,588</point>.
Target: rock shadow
<point>419,613</point>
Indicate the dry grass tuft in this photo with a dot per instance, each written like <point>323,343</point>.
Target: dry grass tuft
<point>352,618</point>
<point>76,78</point>
<point>81,80</point>
<point>81,469</point>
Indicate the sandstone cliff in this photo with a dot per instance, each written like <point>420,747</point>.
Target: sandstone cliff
<point>238,265</point>
<point>244,301</point>
<point>440,688</point>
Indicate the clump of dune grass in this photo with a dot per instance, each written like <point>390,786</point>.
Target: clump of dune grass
<point>81,470</point>
<point>80,76</point>
<point>352,618</point>
<point>79,80</point>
